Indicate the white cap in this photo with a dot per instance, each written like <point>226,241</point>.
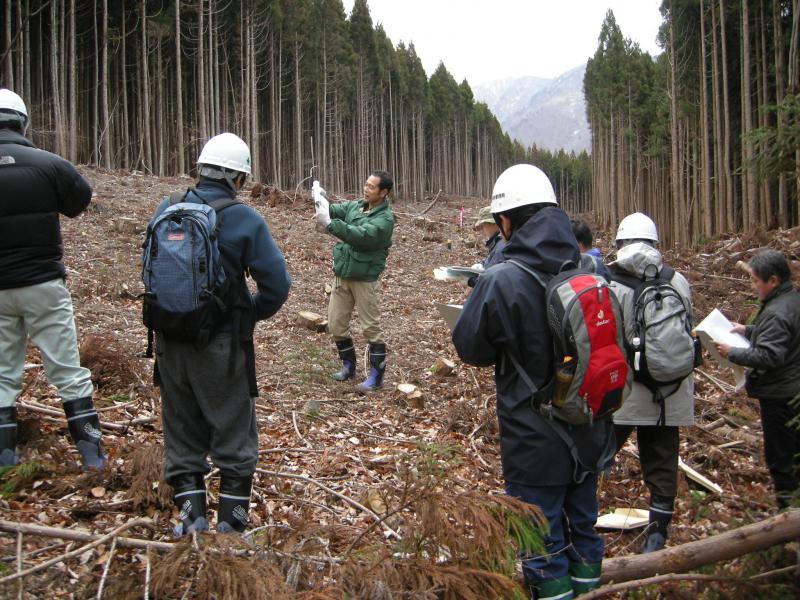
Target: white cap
<point>228,151</point>
<point>637,226</point>
<point>521,185</point>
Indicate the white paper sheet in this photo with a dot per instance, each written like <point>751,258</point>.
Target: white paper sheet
<point>716,328</point>
<point>450,313</point>
<point>454,273</point>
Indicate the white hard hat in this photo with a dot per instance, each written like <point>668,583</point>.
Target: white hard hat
<point>521,185</point>
<point>12,109</point>
<point>228,151</point>
<point>637,226</point>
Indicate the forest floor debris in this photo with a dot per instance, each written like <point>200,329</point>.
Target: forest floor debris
<point>330,441</point>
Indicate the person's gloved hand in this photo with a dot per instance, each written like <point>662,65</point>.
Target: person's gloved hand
<point>477,267</point>
<point>321,205</point>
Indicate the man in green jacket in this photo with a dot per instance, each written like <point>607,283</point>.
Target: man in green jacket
<point>364,228</point>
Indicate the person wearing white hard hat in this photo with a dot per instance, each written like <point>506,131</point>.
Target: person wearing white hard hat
<point>656,416</point>
<point>207,392</point>
<point>37,187</point>
<point>506,316</point>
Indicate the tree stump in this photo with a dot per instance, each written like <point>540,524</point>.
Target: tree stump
<point>442,367</point>
<point>313,321</point>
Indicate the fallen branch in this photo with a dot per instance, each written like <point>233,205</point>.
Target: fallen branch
<point>80,536</point>
<point>430,206</point>
<point>779,529</point>
<point>607,590</point>
<point>59,417</point>
<point>77,551</point>
<point>333,492</point>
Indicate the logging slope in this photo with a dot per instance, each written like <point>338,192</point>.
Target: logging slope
<point>315,433</point>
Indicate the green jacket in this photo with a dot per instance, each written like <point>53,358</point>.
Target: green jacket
<point>366,239</point>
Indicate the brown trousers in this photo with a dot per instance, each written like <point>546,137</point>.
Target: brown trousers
<point>349,293</point>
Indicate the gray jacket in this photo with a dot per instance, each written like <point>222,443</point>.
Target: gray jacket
<point>773,357</point>
<point>639,408</point>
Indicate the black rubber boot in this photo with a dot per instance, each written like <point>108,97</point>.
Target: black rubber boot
<point>190,498</point>
<point>234,504</point>
<point>660,517</point>
<point>84,427</point>
<point>347,352</point>
<point>8,436</point>
<point>377,367</point>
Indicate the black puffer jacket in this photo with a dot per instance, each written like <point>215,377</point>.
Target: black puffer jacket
<point>35,187</point>
<point>506,313</point>
<point>774,352</point>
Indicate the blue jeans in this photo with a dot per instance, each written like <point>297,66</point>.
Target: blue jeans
<point>571,511</point>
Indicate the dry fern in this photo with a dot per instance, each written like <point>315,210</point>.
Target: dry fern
<point>112,366</point>
<point>145,466</point>
<point>217,567</point>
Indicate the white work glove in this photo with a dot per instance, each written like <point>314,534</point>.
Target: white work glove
<point>478,267</point>
<point>321,206</point>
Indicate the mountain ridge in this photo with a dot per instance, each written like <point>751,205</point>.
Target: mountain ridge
<point>548,113</point>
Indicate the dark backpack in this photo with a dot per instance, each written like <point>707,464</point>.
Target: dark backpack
<point>663,350</point>
<point>187,293</point>
<point>585,320</point>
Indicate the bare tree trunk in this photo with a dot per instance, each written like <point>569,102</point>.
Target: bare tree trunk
<point>8,75</point>
<point>201,75</point>
<point>730,202</point>
<point>677,201</point>
<point>794,86</point>
<point>58,124</point>
<point>706,207</point>
<point>146,123</point>
<point>179,91</point>
<point>750,197</point>
<point>298,113</point>
<point>719,200</point>
<point>105,134</point>
<point>73,80</point>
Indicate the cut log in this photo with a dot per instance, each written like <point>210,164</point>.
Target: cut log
<point>779,529</point>
<point>312,321</point>
<point>406,388</point>
<point>442,367</point>
<point>744,267</point>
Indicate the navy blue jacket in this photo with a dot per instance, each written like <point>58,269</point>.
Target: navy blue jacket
<point>246,246</point>
<point>506,313</point>
<point>35,187</point>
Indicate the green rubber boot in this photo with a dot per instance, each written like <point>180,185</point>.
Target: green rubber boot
<point>554,589</point>
<point>585,576</point>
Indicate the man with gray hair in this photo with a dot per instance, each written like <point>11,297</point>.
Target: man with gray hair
<point>34,301</point>
<point>773,374</point>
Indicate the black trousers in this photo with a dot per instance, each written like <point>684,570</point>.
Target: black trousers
<point>781,445</point>
<point>658,455</point>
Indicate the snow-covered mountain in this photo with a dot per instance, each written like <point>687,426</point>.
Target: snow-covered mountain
<point>550,113</point>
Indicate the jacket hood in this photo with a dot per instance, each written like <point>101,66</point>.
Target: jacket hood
<point>636,258</point>
<point>545,242</point>
<point>9,136</point>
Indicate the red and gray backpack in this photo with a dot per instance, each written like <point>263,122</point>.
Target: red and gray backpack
<point>591,375</point>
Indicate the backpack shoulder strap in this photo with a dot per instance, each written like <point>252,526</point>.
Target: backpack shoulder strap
<point>176,197</point>
<point>666,273</point>
<point>222,203</point>
<point>529,271</point>
<point>625,279</point>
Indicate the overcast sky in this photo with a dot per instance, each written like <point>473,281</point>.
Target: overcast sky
<point>484,40</point>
